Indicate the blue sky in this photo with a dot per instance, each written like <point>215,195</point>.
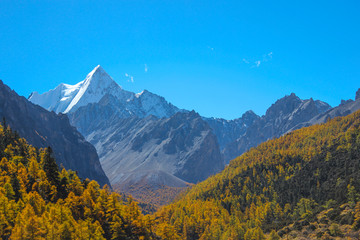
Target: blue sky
<point>219,58</point>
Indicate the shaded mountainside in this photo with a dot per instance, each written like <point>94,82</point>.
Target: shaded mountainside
<point>289,180</point>
<point>42,129</point>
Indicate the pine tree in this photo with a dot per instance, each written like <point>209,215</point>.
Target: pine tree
<point>50,167</point>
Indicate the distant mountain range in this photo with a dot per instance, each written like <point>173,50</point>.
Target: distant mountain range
<point>142,135</point>
<point>284,115</point>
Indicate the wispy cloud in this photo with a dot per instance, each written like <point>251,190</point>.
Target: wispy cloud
<point>257,62</point>
<point>146,67</point>
<point>211,48</point>
<point>129,77</point>
<point>245,61</point>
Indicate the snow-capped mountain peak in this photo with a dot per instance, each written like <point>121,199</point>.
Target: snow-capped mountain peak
<point>67,98</point>
<point>98,78</point>
<point>96,85</point>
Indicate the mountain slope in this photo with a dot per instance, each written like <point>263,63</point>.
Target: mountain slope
<point>42,129</point>
<point>284,181</point>
<point>182,145</point>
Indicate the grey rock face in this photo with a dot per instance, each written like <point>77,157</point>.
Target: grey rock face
<point>344,109</point>
<point>283,115</point>
<point>147,103</point>
<point>182,145</point>
<point>42,129</point>
<point>357,96</point>
<point>228,131</point>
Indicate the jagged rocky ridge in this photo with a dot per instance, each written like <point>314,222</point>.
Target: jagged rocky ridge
<point>288,114</point>
<point>42,129</point>
<point>282,116</point>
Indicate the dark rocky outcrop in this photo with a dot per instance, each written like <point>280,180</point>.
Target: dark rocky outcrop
<point>42,129</point>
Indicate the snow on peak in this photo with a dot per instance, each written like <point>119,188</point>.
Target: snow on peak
<point>153,104</point>
<point>56,99</point>
<point>96,84</point>
<point>139,94</point>
<point>67,98</point>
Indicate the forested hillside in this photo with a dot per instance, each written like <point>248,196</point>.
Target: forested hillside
<point>38,201</point>
<point>305,183</point>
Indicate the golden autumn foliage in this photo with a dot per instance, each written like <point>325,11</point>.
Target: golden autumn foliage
<point>37,201</point>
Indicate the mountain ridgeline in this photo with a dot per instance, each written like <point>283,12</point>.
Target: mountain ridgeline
<point>283,116</point>
<point>142,135</point>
